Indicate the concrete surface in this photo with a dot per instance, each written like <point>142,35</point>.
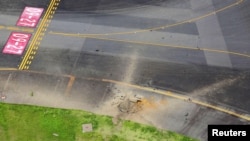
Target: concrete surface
<point>93,51</point>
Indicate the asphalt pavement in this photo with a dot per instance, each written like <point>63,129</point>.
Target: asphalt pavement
<point>95,50</point>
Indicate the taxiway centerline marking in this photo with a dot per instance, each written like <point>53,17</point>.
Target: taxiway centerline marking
<point>164,26</point>
<point>156,44</point>
<point>168,26</point>
<point>8,69</point>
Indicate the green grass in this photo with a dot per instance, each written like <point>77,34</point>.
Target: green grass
<point>34,123</point>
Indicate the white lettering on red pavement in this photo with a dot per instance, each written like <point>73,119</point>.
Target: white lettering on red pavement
<point>16,43</point>
<point>30,17</point>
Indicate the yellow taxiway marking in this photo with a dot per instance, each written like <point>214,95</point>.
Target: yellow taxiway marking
<point>15,28</point>
<point>70,84</point>
<point>148,89</point>
<point>38,35</point>
<point>156,44</point>
<point>237,2</point>
<point>177,96</point>
<point>181,97</point>
<point>97,36</point>
<point>167,93</point>
<point>35,43</point>
<point>12,28</point>
<point>8,69</point>
<point>2,27</point>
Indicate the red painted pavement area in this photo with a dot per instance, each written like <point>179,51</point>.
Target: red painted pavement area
<point>30,17</point>
<point>16,43</point>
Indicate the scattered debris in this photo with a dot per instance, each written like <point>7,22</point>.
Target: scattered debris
<point>131,105</point>
<point>3,97</point>
<point>55,134</point>
<point>32,93</point>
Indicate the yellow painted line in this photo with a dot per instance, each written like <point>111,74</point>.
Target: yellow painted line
<point>1,27</point>
<point>171,25</point>
<point>12,28</point>
<point>226,52</point>
<point>153,90</point>
<point>27,29</point>
<point>8,69</point>
<point>217,11</point>
<point>177,96</point>
<point>45,73</point>
<point>157,44</point>
<point>70,84</point>
<point>181,97</point>
<point>37,35</point>
<point>230,112</point>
